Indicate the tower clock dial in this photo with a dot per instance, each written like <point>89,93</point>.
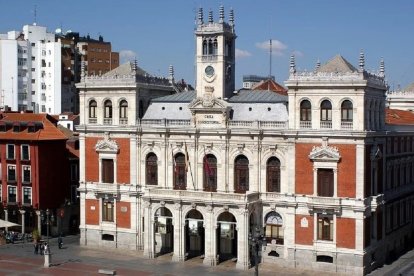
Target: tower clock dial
<point>209,71</point>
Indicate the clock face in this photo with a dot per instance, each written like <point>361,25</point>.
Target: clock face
<point>209,71</point>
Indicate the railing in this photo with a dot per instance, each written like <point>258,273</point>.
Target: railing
<point>123,121</point>
<point>241,123</point>
<point>177,122</point>
<point>305,124</point>
<point>93,120</point>
<point>272,124</point>
<point>107,121</point>
<point>209,57</point>
<point>326,124</point>
<point>347,125</point>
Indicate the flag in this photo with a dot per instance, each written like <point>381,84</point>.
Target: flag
<point>207,168</point>
<point>187,162</point>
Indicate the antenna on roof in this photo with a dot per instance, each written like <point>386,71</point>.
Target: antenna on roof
<point>270,64</point>
<point>35,15</point>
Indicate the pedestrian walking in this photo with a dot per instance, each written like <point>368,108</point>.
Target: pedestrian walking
<point>36,247</point>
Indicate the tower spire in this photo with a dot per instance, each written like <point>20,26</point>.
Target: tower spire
<point>382,68</point>
<point>231,17</point>
<point>318,65</point>
<point>292,69</point>
<point>200,16</point>
<point>171,73</point>
<point>361,60</point>
<point>210,16</point>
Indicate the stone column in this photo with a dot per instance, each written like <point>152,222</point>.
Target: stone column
<point>39,220</point>
<point>179,239</point>
<point>6,217</point>
<point>243,261</point>
<point>149,246</point>
<point>210,238</point>
<point>22,212</point>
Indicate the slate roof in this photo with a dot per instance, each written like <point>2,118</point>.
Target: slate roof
<point>399,117</point>
<point>257,96</point>
<point>337,64</point>
<point>182,97</point>
<point>125,69</point>
<point>45,127</point>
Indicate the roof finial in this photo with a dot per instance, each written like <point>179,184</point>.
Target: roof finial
<point>134,66</point>
<point>318,65</point>
<point>231,17</point>
<point>361,60</point>
<point>292,69</point>
<point>200,16</point>
<point>83,72</point>
<point>210,16</point>
<point>171,73</point>
<point>221,14</point>
<point>382,68</point>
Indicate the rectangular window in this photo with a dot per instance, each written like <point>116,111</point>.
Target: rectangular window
<point>11,173</point>
<point>26,174</point>
<point>12,191</point>
<point>25,154</point>
<point>27,195</point>
<point>325,228</point>
<point>325,182</point>
<point>108,210</point>
<point>10,152</point>
<point>107,170</point>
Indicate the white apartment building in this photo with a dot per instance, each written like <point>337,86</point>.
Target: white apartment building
<point>30,70</point>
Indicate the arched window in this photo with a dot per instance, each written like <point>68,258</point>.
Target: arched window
<point>210,47</point>
<point>346,111</point>
<point>210,173</point>
<point>326,111</point>
<point>205,51</point>
<point>108,109</point>
<point>92,109</point>
<point>215,46</point>
<point>273,175</point>
<point>305,111</point>
<point>180,172</point>
<point>274,228</point>
<point>241,174</point>
<point>151,169</point>
<point>123,109</point>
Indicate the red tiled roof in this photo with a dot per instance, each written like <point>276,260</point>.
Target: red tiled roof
<point>399,117</point>
<point>270,85</point>
<point>48,131</point>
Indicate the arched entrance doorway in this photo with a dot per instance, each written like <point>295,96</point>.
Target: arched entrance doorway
<point>226,237</point>
<point>164,231</point>
<point>194,234</point>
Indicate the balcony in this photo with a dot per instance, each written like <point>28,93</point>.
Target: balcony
<point>347,125</point>
<point>305,124</point>
<point>123,121</point>
<point>326,124</point>
<point>107,121</point>
<point>209,58</point>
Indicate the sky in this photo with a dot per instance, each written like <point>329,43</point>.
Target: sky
<point>159,33</point>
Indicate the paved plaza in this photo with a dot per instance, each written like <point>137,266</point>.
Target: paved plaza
<point>19,259</point>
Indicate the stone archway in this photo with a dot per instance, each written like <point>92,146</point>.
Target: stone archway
<point>163,231</point>
<point>226,237</point>
<point>194,234</point>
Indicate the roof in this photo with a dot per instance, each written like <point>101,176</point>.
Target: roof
<point>182,97</point>
<point>45,127</point>
<point>399,117</point>
<point>337,64</point>
<point>125,69</point>
<point>270,85</point>
<point>257,96</point>
<point>410,87</point>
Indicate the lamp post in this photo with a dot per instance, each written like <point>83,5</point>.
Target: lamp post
<point>256,240</point>
<point>49,218</point>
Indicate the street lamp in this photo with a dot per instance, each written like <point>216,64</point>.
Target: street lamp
<point>49,218</point>
<point>256,240</point>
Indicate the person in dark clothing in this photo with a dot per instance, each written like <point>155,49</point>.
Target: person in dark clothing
<point>60,242</point>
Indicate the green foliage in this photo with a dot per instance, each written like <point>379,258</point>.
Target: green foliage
<point>35,235</point>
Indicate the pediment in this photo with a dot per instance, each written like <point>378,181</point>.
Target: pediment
<point>107,145</point>
<point>325,153</point>
<point>207,103</point>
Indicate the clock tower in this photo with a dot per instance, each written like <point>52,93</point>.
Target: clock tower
<point>215,55</point>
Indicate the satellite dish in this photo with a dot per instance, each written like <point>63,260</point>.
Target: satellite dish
<point>58,31</point>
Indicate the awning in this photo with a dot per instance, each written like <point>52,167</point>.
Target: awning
<point>5,223</point>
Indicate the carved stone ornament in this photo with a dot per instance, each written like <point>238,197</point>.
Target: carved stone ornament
<point>162,203</point>
<point>325,153</point>
<point>193,205</point>
<point>209,208</point>
<point>208,99</point>
<point>107,145</point>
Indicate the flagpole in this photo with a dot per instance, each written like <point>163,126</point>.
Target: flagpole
<point>189,164</point>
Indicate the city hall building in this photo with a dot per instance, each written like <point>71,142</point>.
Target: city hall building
<point>324,172</point>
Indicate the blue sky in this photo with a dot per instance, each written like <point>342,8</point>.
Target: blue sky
<point>160,32</point>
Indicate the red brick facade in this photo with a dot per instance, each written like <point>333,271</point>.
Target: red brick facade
<point>304,235</point>
<point>92,211</point>
<point>345,232</point>
<point>304,169</point>
<point>123,214</point>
